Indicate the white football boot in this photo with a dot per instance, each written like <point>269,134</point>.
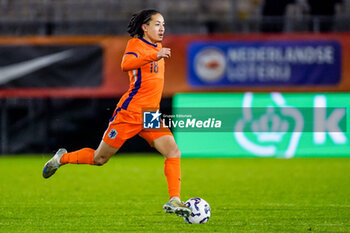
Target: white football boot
<point>178,207</point>
<point>53,164</point>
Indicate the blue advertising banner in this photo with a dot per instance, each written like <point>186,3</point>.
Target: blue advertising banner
<point>283,63</point>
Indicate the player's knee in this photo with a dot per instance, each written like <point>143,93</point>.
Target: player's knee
<point>175,153</point>
<point>100,160</point>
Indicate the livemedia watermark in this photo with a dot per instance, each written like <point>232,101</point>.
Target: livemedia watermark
<point>268,122</point>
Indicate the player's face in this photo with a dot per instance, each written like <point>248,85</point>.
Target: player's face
<point>154,29</point>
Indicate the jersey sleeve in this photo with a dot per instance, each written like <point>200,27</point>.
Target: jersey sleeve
<point>133,57</point>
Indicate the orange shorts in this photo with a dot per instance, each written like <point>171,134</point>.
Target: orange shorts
<point>125,124</point>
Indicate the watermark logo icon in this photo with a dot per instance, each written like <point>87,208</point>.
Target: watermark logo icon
<point>151,119</point>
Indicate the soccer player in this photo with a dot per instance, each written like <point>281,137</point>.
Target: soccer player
<point>144,61</point>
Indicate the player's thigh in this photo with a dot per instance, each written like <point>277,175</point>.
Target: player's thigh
<point>167,146</point>
<point>163,140</point>
<point>103,153</point>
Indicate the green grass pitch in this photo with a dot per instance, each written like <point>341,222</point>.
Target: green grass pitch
<point>127,195</point>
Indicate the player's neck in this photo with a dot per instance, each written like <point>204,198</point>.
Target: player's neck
<point>146,38</point>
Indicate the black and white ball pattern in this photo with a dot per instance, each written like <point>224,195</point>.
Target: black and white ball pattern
<point>200,210</point>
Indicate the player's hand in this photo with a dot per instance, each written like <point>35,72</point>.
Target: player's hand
<point>164,53</point>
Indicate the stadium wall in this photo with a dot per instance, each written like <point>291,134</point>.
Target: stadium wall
<point>114,81</point>
<point>93,62</point>
<point>261,124</point>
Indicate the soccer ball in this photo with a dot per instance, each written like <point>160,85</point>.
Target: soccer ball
<point>200,210</point>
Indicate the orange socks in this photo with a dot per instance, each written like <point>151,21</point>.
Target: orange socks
<point>83,156</point>
<point>172,168</point>
<point>172,172</point>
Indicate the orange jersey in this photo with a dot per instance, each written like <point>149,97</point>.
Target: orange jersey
<point>146,75</point>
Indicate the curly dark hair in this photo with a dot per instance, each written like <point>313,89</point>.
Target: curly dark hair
<point>139,18</point>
